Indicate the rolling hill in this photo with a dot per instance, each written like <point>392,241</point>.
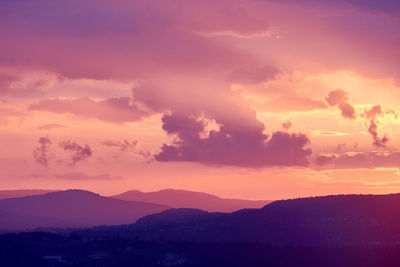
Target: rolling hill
<point>22,193</point>
<point>344,219</point>
<point>189,199</point>
<point>72,208</point>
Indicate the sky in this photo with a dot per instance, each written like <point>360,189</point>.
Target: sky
<point>256,99</point>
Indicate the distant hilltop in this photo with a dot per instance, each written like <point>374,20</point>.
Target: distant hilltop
<point>30,209</point>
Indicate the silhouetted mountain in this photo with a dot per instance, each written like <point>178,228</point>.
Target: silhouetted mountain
<point>22,193</point>
<point>74,208</point>
<point>190,199</point>
<point>345,219</point>
<point>172,215</point>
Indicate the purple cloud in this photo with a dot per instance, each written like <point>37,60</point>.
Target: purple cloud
<point>231,146</point>
<point>336,97</point>
<point>122,145</point>
<point>360,160</point>
<point>372,115</point>
<point>18,85</point>
<point>383,6</point>
<point>79,152</point>
<point>373,130</point>
<point>348,110</point>
<point>322,160</point>
<point>339,98</point>
<point>125,42</point>
<point>41,153</point>
<point>147,156</point>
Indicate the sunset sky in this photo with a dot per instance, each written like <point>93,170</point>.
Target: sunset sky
<point>257,99</point>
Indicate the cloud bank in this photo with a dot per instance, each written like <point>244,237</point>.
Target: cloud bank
<point>231,146</point>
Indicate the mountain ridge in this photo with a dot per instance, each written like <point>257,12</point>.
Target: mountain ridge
<point>326,220</point>
<point>23,193</point>
<point>177,198</point>
<point>79,208</point>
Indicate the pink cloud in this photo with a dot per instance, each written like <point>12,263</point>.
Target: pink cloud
<point>154,42</point>
<point>16,83</point>
<point>115,110</point>
<point>122,39</point>
<point>373,112</point>
<point>8,112</point>
<point>82,176</point>
<point>289,103</point>
<point>253,75</point>
<point>373,130</point>
<point>51,126</point>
